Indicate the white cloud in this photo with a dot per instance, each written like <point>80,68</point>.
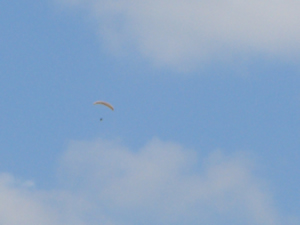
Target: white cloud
<point>176,32</point>
<point>104,183</point>
<point>21,206</point>
<point>163,183</point>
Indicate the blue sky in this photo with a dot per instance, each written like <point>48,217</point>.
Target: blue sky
<point>206,122</point>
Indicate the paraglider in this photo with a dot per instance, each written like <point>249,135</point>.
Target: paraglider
<point>104,103</point>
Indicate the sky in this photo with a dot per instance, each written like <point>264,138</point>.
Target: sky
<point>206,125</point>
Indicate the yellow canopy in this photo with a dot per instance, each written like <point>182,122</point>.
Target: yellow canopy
<point>104,103</point>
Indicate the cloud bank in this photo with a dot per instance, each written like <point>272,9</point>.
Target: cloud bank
<point>102,182</point>
<point>175,32</point>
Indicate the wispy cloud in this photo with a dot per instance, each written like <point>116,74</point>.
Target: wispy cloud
<point>20,204</point>
<point>174,32</point>
<point>102,182</point>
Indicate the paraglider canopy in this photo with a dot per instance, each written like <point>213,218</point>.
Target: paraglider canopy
<point>104,103</point>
